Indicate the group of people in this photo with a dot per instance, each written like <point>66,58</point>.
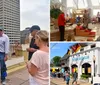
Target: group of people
<point>66,76</point>
<point>62,22</point>
<point>38,59</point>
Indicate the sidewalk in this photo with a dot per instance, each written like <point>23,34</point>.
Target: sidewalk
<point>19,77</point>
<point>60,81</point>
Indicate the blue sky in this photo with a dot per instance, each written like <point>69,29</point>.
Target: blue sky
<point>59,49</point>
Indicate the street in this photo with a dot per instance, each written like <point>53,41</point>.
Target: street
<point>18,78</point>
<point>60,81</point>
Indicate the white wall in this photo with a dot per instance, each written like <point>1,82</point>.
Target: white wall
<point>89,59</point>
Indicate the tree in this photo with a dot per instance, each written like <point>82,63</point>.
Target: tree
<point>56,61</point>
<point>51,63</point>
<point>54,13</point>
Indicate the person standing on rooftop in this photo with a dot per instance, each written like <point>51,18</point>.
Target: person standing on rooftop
<point>33,47</point>
<point>4,50</point>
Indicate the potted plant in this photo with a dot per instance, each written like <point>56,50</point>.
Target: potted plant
<point>54,13</point>
<point>85,77</point>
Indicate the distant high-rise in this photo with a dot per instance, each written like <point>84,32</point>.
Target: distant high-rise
<point>24,35</point>
<point>10,19</point>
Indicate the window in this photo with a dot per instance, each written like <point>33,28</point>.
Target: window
<point>82,4</point>
<point>95,2</point>
<point>92,46</point>
<point>69,3</point>
<point>95,11</point>
<point>59,0</point>
<point>82,49</point>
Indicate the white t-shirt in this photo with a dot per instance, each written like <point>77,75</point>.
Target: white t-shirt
<point>41,60</point>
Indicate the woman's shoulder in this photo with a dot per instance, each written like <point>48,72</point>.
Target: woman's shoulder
<point>40,52</point>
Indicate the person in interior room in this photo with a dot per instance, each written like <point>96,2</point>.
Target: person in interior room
<point>98,16</point>
<point>86,19</point>
<point>67,18</point>
<point>61,24</point>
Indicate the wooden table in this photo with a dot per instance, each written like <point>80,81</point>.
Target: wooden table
<point>55,34</point>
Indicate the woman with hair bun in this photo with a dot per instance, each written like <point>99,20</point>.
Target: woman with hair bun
<point>38,66</point>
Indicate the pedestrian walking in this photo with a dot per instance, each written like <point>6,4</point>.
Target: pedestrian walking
<point>67,78</point>
<point>4,50</point>
<point>86,19</point>
<point>64,74</point>
<point>38,66</point>
<point>75,75</point>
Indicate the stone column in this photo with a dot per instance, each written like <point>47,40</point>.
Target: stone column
<point>64,6</point>
<point>79,71</point>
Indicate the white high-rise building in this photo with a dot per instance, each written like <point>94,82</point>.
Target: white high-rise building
<point>10,19</point>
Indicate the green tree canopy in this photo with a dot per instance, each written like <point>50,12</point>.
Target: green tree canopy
<point>54,13</point>
<point>56,60</point>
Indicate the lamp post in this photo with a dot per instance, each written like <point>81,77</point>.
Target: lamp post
<point>94,58</point>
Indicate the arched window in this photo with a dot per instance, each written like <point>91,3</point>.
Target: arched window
<point>86,69</point>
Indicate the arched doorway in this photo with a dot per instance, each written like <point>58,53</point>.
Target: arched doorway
<point>86,69</point>
<point>67,68</point>
<point>74,68</point>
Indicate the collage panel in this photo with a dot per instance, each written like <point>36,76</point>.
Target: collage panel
<point>74,20</point>
<point>74,63</point>
<point>24,42</point>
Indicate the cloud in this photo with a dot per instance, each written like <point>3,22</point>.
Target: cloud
<point>56,48</point>
<point>35,12</point>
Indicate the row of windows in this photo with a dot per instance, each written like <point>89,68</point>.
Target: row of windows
<point>11,20</point>
<point>11,26</point>
<point>11,16</point>
<point>13,38</point>
<point>86,53</point>
<point>11,6</point>
<point>11,9</point>
<point>14,2</point>
<point>1,10</point>
<point>92,46</point>
<point>11,13</point>
<point>12,29</point>
<point>12,33</point>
